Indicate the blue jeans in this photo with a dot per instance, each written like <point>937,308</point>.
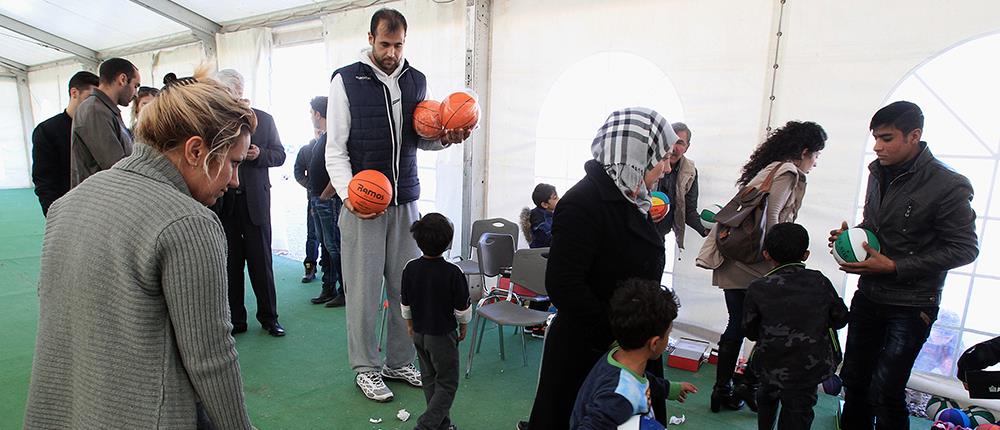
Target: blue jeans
<point>882,343</point>
<point>313,241</point>
<point>326,214</point>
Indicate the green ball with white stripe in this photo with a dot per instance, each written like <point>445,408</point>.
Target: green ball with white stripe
<point>708,216</point>
<point>980,415</point>
<point>848,246</point>
<point>938,404</point>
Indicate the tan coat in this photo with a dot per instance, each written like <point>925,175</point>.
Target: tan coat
<point>783,203</point>
<point>685,179</point>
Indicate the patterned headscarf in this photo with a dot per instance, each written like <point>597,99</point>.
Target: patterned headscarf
<point>629,144</point>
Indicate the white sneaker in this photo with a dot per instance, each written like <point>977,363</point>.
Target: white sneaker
<point>408,373</point>
<point>372,385</point>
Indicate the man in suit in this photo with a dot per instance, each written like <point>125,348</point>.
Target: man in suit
<point>246,217</point>
<point>50,144</point>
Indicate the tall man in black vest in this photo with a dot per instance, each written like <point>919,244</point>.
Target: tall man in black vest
<point>370,126</point>
<point>246,217</point>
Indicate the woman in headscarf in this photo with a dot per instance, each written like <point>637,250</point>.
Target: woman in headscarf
<point>602,234</point>
<point>133,319</point>
<point>790,152</point>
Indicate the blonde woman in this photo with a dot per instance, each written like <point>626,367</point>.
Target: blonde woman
<point>133,327</point>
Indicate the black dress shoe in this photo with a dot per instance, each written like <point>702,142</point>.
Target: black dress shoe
<point>239,328</point>
<point>337,302</point>
<point>275,330</point>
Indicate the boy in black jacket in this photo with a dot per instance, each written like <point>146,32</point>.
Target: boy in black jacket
<point>435,302</point>
<point>791,314</point>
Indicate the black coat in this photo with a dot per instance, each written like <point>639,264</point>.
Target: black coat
<point>254,179</point>
<point>598,240</point>
<point>50,159</point>
<point>791,314</point>
<point>925,224</point>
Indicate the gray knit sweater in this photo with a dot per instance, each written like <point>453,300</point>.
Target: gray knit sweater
<point>133,325</point>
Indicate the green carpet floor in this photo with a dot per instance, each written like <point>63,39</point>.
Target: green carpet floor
<point>303,381</point>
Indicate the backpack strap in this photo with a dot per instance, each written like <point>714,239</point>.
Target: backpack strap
<point>766,185</point>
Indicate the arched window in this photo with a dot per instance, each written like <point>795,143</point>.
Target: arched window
<point>958,91</point>
<point>579,102</point>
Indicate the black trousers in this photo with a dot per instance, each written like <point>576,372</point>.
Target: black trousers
<point>439,373</point>
<point>883,342</point>
<point>249,244</point>
<point>571,350</point>
<point>796,407</point>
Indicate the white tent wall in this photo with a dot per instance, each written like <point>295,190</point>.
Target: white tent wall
<point>154,65</point>
<point>249,52</point>
<point>838,63</point>
<point>714,53</point>
<point>49,88</point>
<point>435,45</point>
<point>14,154</point>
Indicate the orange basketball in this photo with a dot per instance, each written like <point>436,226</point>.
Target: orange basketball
<point>459,110</point>
<point>370,192</point>
<point>427,119</point>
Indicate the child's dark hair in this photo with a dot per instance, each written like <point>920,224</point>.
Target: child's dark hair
<point>433,233</point>
<point>640,310</point>
<point>786,242</point>
<point>542,193</point>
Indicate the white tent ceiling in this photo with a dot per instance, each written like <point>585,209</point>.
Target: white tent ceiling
<point>42,31</point>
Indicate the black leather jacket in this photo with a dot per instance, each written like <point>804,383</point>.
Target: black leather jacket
<point>925,224</point>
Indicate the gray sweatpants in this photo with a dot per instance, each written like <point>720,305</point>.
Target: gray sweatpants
<point>373,251</point>
<point>439,372</point>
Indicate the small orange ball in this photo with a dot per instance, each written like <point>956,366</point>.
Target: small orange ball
<point>459,110</point>
<point>427,119</point>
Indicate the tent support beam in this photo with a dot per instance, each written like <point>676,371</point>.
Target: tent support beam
<point>86,55</point>
<point>476,149</point>
<point>202,28</point>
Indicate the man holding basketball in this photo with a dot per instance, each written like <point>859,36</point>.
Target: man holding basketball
<point>370,126</point>
<point>920,210</point>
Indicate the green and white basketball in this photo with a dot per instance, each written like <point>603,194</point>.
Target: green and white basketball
<point>848,247</point>
<point>980,415</point>
<point>708,216</point>
<point>937,404</point>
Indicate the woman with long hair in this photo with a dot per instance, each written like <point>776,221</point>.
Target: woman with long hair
<point>789,152</point>
<point>133,325</point>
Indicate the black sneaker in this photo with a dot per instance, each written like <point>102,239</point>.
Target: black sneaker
<point>522,425</point>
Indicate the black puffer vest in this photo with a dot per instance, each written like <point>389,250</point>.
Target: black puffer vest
<point>372,143</point>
